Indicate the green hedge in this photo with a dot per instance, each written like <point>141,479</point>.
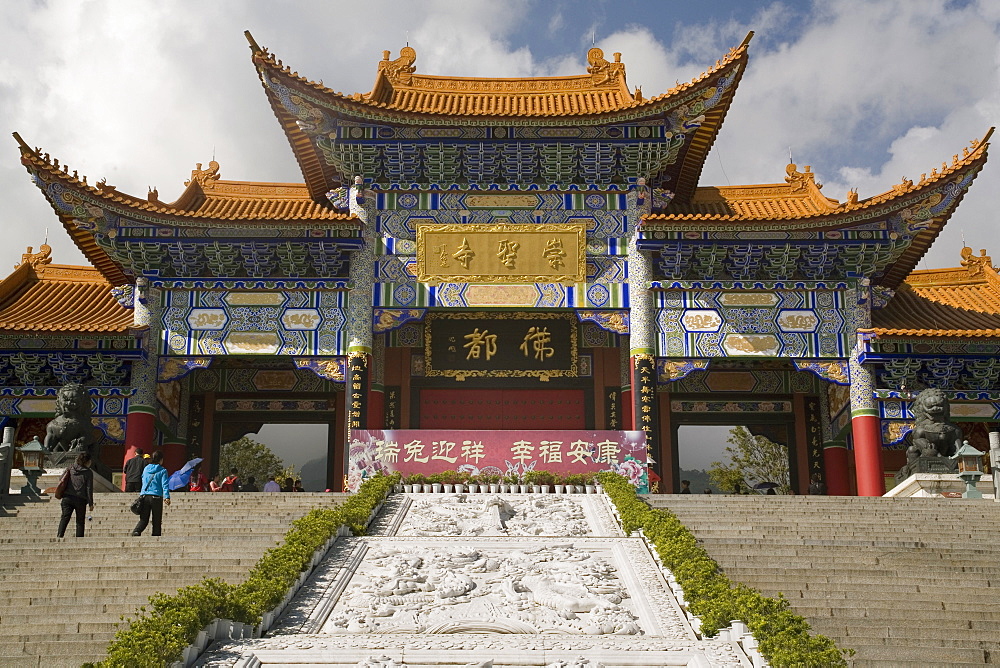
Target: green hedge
<point>158,636</point>
<point>783,637</point>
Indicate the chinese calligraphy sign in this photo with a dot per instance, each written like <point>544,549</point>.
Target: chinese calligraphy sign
<point>500,452</point>
<point>502,253</point>
<point>502,345</point>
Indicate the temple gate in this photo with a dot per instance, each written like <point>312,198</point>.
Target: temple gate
<point>507,254</point>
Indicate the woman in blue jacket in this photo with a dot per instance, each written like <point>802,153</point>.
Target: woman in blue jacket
<point>153,494</point>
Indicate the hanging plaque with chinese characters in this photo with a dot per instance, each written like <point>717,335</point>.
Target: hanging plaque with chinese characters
<point>502,253</point>
<point>500,345</point>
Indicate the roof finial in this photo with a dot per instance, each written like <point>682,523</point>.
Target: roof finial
<point>253,43</point>
<point>790,161</point>
<point>593,39</point>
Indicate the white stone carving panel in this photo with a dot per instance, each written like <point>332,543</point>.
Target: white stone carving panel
<point>533,515</point>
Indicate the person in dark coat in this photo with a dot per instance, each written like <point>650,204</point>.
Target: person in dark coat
<point>78,495</point>
<point>133,471</point>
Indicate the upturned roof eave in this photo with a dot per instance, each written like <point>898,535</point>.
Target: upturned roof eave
<point>320,179</point>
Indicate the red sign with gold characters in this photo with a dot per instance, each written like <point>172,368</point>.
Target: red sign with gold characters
<point>498,452</point>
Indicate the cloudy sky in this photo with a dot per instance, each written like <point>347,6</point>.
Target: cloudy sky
<point>138,91</point>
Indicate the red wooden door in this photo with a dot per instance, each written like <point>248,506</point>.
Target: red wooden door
<point>502,409</point>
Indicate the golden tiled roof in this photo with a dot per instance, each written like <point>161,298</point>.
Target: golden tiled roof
<point>206,198</point>
<point>398,88</point>
<point>401,96</point>
<point>43,297</point>
<point>959,302</point>
<point>602,90</point>
<point>799,198</point>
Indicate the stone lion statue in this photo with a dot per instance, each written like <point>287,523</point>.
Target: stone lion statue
<point>72,429</point>
<point>933,434</point>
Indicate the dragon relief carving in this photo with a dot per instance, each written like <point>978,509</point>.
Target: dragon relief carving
<point>553,588</point>
<point>462,515</point>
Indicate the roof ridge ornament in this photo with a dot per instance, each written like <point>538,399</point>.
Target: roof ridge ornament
<point>797,180</point>
<point>204,177</point>
<point>976,264</point>
<point>601,71</point>
<point>399,71</point>
<point>42,257</point>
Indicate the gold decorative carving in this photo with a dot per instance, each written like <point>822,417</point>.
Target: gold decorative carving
<point>798,321</point>
<point>206,178</point>
<point>501,295</point>
<point>895,431</point>
<point>674,369</point>
<point>748,299</point>
<point>255,299</point>
<point>601,71</point>
<point>252,342</point>
<point>501,201</point>
<point>797,180</point>
<point>974,263</point>
<point>836,371</point>
<point>332,369</point>
<point>43,256</point>
<point>613,321</point>
<point>502,253</point>
<point>701,320</point>
<point>462,374</point>
<point>399,71</point>
<point>751,344</point>
<point>389,319</point>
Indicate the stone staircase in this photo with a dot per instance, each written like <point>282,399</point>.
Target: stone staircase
<point>904,582</point>
<point>63,598</point>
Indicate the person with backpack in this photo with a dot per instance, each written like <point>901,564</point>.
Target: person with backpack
<point>231,483</point>
<point>155,492</point>
<point>77,494</point>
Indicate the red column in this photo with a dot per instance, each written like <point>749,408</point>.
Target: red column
<point>174,455</point>
<point>376,409</point>
<point>868,454</point>
<point>140,429</point>
<point>836,469</point>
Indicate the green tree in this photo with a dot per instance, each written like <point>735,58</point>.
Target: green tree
<point>251,458</point>
<point>752,460</point>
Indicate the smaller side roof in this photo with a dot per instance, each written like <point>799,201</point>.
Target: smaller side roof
<point>959,302</point>
<point>42,297</point>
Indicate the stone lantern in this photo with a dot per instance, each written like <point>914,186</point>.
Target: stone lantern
<point>32,456</point>
<point>970,469</point>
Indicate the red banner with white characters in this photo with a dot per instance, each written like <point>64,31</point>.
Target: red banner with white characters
<point>500,452</point>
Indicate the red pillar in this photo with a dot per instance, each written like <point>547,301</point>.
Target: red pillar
<point>376,409</point>
<point>836,469</point>
<point>868,454</point>
<point>140,429</point>
<point>174,455</point>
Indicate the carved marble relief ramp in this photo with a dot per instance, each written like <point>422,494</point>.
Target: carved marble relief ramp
<point>512,579</point>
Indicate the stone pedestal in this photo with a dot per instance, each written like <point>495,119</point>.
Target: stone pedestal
<point>921,465</point>
<point>48,481</point>
<point>939,485</point>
